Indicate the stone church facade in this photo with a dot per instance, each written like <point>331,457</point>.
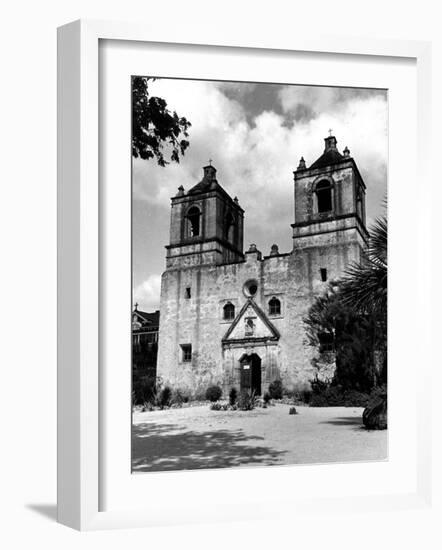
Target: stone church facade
<point>235,318</point>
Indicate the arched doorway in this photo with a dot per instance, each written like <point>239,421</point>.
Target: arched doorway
<point>251,373</point>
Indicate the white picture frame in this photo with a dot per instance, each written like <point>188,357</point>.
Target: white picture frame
<point>79,275</point>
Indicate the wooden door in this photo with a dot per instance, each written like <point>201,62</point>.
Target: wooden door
<point>246,375</point>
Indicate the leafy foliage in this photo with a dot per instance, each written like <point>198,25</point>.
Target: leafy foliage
<point>233,396</point>
<point>353,336</point>
<point>267,398</point>
<point>247,400</point>
<point>154,126</point>
<point>276,389</point>
<point>336,396</point>
<point>179,396</point>
<point>214,393</point>
<point>165,397</point>
<point>217,406</point>
<point>364,287</point>
<point>143,389</point>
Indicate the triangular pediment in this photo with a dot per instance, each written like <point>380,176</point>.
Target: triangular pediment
<point>251,323</point>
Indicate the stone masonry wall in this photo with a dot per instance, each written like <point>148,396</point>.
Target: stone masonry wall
<point>293,278</point>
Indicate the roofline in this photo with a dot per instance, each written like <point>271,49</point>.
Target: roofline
<point>261,315</point>
<point>203,240</point>
<point>244,340</point>
<point>306,172</point>
<point>220,190</point>
<point>358,226</point>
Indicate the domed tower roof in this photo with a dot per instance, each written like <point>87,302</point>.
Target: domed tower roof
<point>208,183</point>
<point>330,156</point>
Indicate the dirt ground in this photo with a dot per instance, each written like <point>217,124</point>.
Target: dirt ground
<point>196,437</point>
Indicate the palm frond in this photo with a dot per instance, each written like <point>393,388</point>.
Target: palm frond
<point>364,286</point>
<point>378,243</point>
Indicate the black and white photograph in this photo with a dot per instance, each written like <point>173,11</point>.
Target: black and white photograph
<point>259,322</point>
<point>259,266</point>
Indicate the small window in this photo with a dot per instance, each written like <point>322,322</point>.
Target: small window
<point>326,342</point>
<point>186,353</point>
<point>323,274</point>
<point>274,307</point>
<point>324,196</point>
<point>193,220</point>
<point>188,293</point>
<point>229,312</point>
<point>359,204</point>
<point>228,227</point>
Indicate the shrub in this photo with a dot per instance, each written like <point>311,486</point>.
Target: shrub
<point>336,396</point>
<point>179,397</point>
<point>217,406</point>
<point>214,393</point>
<point>143,389</point>
<point>164,397</point>
<point>275,389</point>
<point>233,396</point>
<point>354,398</point>
<point>302,397</point>
<point>247,400</point>
<point>380,391</point>
<point>318,386</point>
<point>267,398</point>
<point>293,410</point>
<point>306,396</point>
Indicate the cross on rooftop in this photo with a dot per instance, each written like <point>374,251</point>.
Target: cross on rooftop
<point>330,132</point>
<point>210,162</point>
<point>136,306</point>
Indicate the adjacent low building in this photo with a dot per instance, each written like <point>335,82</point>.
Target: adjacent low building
<point>145,327</point>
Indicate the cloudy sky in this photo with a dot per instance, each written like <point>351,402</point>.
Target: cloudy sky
<point>255,134</point>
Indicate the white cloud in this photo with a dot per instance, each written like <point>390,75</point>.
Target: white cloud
<point>316,98</point>
<point>258,162</point>
<point>147,294</point>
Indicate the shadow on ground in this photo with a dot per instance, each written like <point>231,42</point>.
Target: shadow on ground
<point>355,421</point>
<point>155,448</point>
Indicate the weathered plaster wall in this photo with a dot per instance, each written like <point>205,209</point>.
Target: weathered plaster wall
<point>294,279</point>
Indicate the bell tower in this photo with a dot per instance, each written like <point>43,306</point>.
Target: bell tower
<point>206,225</point>
<point>329,212</point>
